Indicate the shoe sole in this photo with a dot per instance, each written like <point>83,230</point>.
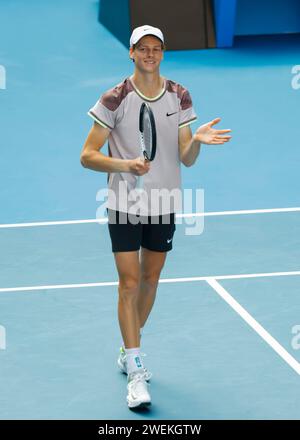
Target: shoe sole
<point>139,405</point>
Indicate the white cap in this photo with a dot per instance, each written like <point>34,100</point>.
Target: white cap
<point>141,31</point>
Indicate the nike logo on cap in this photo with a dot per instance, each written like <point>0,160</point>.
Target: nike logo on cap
<point>170,114</point>
<point>169,241</point>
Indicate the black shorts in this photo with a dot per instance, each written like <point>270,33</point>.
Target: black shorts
<point>128,232</point>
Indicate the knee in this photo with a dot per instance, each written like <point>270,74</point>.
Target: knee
<point>128,286</point>
<point>151,279</point>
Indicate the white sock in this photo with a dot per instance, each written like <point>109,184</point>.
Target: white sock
<point>133,360</point>
<point>141,330</point>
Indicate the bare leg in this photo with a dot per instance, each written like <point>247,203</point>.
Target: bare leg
<point>129,274</point>
<point>151,266</point>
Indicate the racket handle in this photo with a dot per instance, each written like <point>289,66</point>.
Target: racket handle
<point>139,182</point>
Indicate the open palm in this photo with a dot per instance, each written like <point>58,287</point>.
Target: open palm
<point>206,134</point>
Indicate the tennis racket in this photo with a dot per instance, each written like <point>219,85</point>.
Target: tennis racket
<point>147,137</point>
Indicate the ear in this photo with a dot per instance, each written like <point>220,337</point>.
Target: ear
<point>131,53</point>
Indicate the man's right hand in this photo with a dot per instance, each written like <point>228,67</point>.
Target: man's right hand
<point>139,166</point>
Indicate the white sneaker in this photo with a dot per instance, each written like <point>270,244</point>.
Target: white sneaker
<point>138,394</point>
<point>123,366</point>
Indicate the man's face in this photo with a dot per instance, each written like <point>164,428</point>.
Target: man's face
<point>147,54</point>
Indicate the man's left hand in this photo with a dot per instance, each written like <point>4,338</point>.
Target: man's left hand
<point>206,134</point>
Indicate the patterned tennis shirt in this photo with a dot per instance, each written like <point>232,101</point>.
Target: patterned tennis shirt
<point>118,110</point>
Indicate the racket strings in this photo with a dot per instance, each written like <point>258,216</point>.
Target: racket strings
<point>147,135</point>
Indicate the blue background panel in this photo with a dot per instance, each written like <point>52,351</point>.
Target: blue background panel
<point>267,17</point>
<point>224,13</point>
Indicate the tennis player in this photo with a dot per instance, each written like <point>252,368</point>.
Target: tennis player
<point>140,247</point>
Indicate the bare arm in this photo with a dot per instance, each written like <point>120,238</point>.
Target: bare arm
<point>189,148</point>
<point>93,159</point>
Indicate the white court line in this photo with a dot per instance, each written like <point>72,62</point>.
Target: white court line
<point>57,286</point>
<point>245,211</point>
<point>65,222</point>
<point>188,215</point>
<point>291,361</point>
<point>163,280</point>
<point>230,277</point>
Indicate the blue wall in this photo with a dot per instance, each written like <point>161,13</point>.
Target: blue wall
<point>254,17</point>
<point>267,17</point>
<point>114,15</point>
<point>224,13</point>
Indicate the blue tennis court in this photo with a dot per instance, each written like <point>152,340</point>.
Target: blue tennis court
<point>223,338</point>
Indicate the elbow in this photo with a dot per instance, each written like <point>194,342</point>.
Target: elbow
<point>83,160</point>
<point>184,157</point>
<point>186,163</point>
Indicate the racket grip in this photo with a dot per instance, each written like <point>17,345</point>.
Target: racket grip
<point>139,182</point>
